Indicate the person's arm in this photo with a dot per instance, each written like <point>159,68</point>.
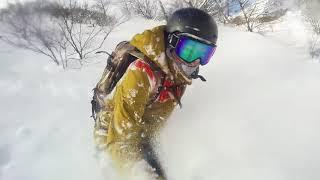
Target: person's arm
<point>127,131</point>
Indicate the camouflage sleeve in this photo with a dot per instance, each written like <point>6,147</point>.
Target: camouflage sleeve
<point>127,128</point>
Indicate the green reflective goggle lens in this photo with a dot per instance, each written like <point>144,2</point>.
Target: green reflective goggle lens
<point>191,50</point>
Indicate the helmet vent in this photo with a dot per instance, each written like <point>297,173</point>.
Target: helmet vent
<point>193,28</point>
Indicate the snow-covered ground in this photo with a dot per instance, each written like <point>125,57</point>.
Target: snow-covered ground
<point>255,118</point>
<point>291,30</point>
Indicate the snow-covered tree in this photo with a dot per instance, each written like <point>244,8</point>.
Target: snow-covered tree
<point>148,9</point>
<point>220,9</point>
<point>312,15</point>
<point>255,13</point>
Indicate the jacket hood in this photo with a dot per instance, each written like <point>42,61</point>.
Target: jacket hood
<point>152,44</point>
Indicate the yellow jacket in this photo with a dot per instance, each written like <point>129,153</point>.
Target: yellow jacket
<point>129,119</point>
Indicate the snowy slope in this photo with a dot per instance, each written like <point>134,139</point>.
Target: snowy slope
<point>44,125</point>
<point>255,118</point>
<point>291,30</point>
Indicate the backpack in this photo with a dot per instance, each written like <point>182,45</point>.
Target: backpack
<point>117,64</point>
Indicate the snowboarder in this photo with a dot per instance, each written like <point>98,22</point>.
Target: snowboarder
<point>166,59</point>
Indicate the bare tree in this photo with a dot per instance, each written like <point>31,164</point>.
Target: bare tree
<point>315,24</point>
<point>102,15</point>
<point>27,29</point>
<point>148,9</point>
<point>312,15</point>
<point>196,3</point>
<point>83,35</point>
<point>63,32</point>
<point>175,5</point>
<point>216,8</point>
<point>163,9</point>
<point>252,12</point>
<point>314,48</point>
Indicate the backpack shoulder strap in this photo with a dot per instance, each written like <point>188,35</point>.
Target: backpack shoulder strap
<point>159,74</point>
<point>160,77</point>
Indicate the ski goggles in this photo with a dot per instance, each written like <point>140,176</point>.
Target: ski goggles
<point>190,49</point>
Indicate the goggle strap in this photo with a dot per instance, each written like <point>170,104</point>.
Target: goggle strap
<point>173,40</point>
<point>196,75</point>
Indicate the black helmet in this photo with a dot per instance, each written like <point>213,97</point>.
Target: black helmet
<point>193,21</point>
